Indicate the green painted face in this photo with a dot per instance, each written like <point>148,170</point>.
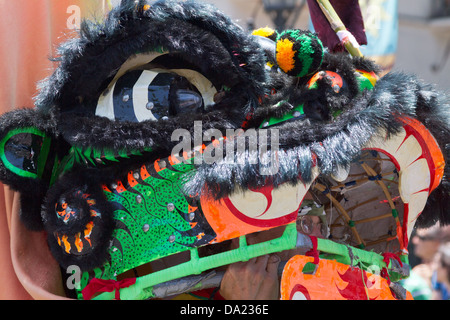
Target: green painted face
<point>24,152</point>
<point>153,219</point>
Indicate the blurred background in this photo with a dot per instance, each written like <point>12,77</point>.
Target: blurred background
<point>403,35</point>
<point>406,35</point>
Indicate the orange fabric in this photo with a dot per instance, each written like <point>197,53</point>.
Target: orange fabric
<point>224,223</point>
<point>30,32</point>
<point>332,281</point>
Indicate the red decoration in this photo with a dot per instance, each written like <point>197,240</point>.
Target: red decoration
<point>101,285</point>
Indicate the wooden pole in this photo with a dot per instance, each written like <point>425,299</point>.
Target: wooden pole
<point>342,211</point>
<point>358,181</point>
<point>380,240</point>
<point>337,25</point>
<point>371,172</point>
<point>375,218</point>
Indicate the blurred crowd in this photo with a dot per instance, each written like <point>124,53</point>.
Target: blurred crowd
<point>430,274</point>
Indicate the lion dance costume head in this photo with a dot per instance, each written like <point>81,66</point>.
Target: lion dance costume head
<point>106,167</point>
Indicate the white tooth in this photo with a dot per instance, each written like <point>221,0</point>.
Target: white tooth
<point>408,152</point>
<point>413,179</point>
<point>415,207</point>
<point>341,173</point>
<point>286,199</point>
<point>414,184</point>
<point>391,146</point>
<point>404,151</point>
<point>414,175</point>
<point>299,296</point>
<point>251,203</point>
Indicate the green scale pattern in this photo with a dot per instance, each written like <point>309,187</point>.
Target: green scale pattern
<point>146,230</point>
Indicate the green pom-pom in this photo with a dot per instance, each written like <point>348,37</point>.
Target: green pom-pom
<point>299,53</point>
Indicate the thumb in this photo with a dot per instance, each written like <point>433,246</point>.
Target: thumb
<point>272,264</point>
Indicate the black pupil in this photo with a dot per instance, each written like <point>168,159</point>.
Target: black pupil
<point>169,94</point>
<point>183,97</point>
<point>23,150</point>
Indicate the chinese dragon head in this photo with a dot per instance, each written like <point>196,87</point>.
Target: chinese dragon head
<point>95,165</point>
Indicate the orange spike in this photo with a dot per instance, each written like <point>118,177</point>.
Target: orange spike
<point>88,231</point>
<point>120,188</point>
<point>191,209</point>
<point>66,243</point>
<point>131,180</point>
<point>156,165</point>
<point>78,242</point>
<point>144,173</point>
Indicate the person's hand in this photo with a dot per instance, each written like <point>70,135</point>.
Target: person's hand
<point>256,279</point>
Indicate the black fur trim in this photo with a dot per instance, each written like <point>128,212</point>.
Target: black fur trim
<point>335,143</point>
<point>199,33</point>
<point>32,190</point>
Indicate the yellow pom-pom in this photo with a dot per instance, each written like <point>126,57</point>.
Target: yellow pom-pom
<point>266,33</point>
